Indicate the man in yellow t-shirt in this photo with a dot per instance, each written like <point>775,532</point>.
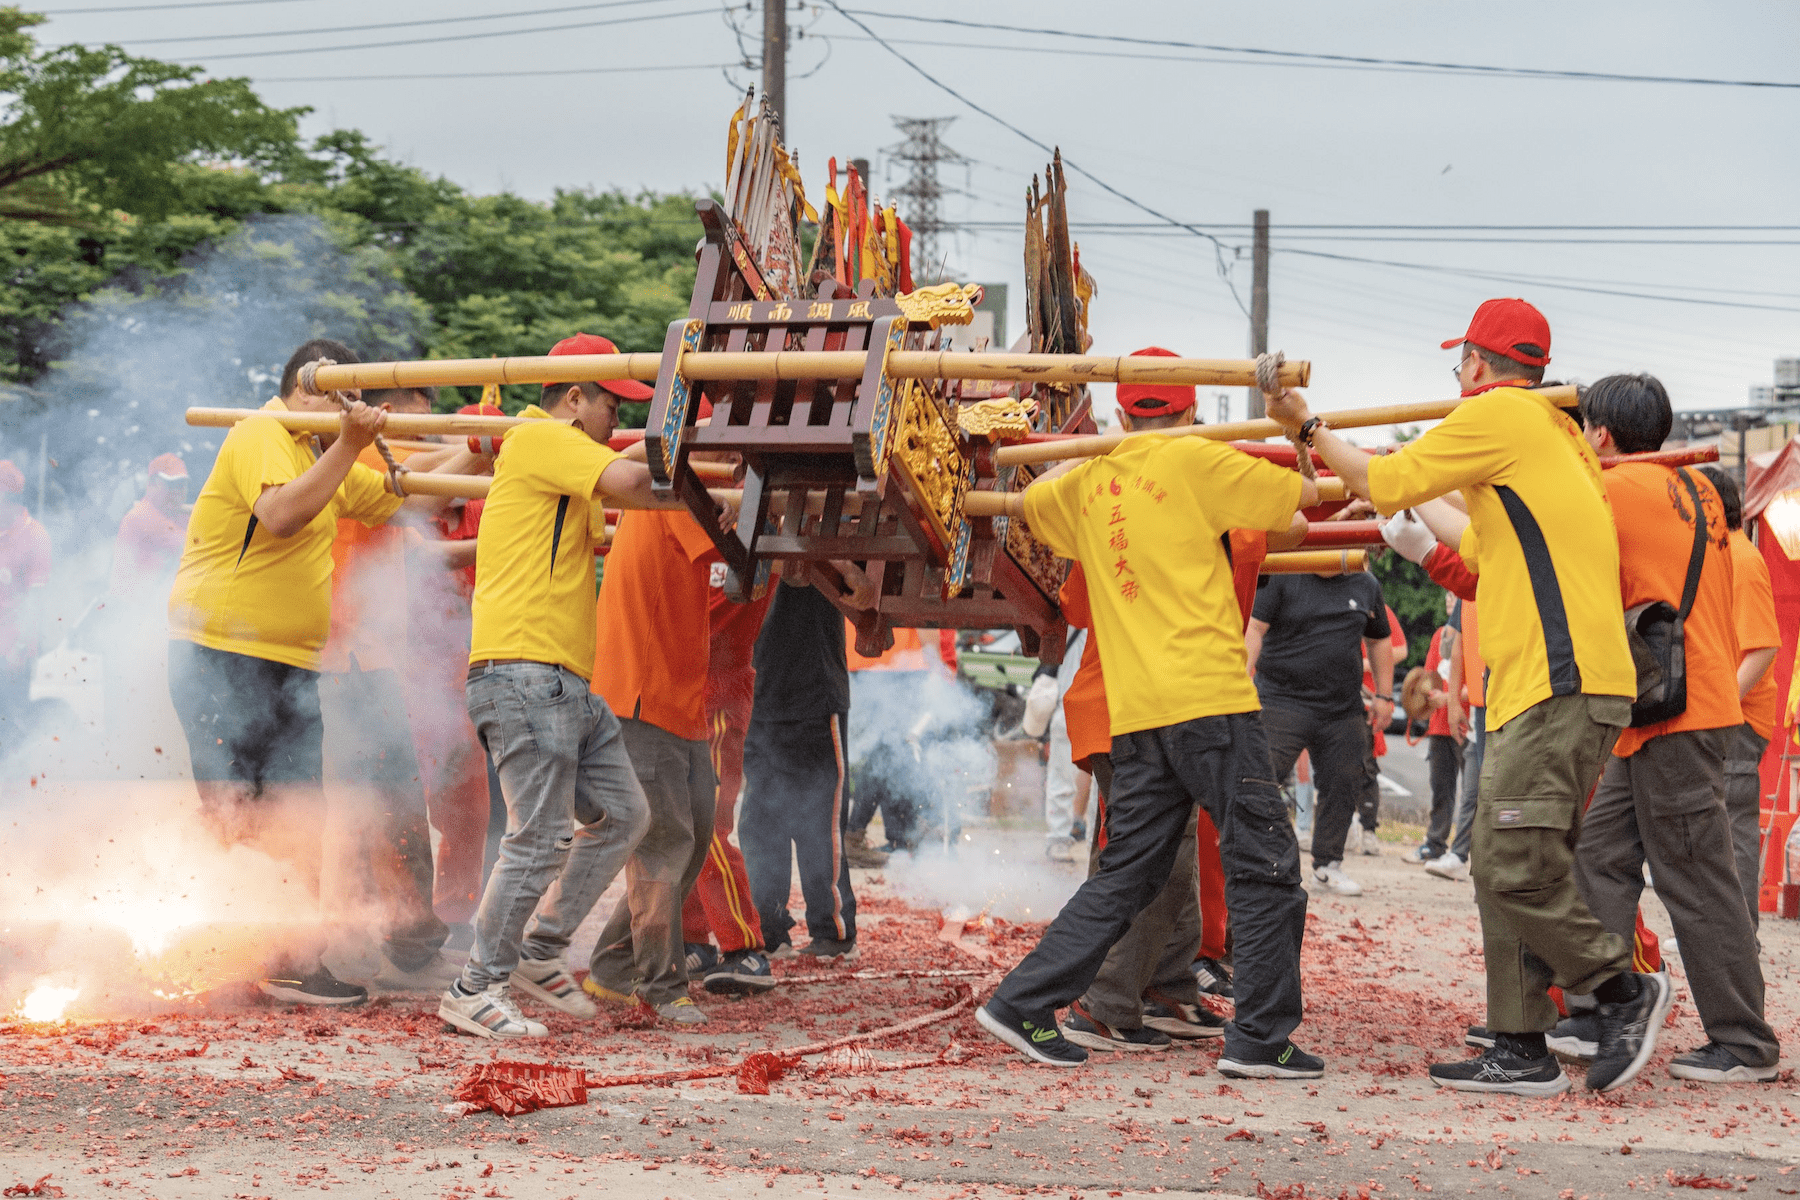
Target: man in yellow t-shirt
<point>1147,524</point>
<point>574,809</point>
<point>1541,538</point>
<point>248,616</point>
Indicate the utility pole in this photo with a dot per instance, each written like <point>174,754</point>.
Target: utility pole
<point>922,152</point>
<point>1259,301</point>
<point>775,59</point>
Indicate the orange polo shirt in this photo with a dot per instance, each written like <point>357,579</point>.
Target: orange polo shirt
<point>1753,607</point>
<point>1655,519</point>
<point>652,648</point>
<point>1084,704</point>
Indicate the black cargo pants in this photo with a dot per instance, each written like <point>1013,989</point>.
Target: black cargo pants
<point>1221,763</point>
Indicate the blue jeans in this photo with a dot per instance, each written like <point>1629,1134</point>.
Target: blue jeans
<point>574,810</point>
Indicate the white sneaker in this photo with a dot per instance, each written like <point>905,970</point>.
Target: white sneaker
<point>1449,867</point>
<point>1371,845</point>
<point>1304,837</point>
<point>1333,877</point>
<point>1416,855</point>
<point>1060,849</point>
<point>547,980</point>
<point>489,1014</point>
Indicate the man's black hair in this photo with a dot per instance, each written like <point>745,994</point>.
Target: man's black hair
<point>1729,496</point>
<point>1511,368</point>
<point>553,392</point>
<point>1635,408</point>
<point>400,394</point>
<point>317,348</point>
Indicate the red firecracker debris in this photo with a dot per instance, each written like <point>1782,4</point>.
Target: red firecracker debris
<point>757,1070</point>
<point>1699,1181</point>
<point>511,1088</point>
<point>43,1187</point>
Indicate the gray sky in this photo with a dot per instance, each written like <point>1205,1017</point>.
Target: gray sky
<point>1201,136</point>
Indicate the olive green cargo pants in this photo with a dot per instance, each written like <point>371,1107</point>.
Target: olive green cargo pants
<point>1535,927</point>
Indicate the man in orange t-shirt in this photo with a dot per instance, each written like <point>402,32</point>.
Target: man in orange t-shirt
<point>152,534</point>
<point>650,664</point>
<point>1662,796</point>
<point>1759,637</point>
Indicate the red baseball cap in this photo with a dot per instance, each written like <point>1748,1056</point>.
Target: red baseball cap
<point>168,466</point>
<point>593,343</point>
<point>1508,327</point>
<point>12,480</point>
<point>1155,399</point>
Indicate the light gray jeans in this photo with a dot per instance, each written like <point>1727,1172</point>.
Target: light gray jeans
<point>574,810</point>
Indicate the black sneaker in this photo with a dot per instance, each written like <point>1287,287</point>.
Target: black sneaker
<point>824,948</point>
<point>740,973</point>
<point>1576,1037</point>
<point>1713,1063</point>
<point>1286,1061</point>
<point>701,958</point>
<point>1212,977</point>
<point>1186,1022</point>
<point>1478,1036</point>
<point>1498,1069</point>
<point>1628,1034</point>
<point>1037,1039</point>
<point>1081,1028</point>
<point>319,986</point>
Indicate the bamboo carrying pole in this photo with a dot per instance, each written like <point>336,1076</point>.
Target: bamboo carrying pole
<point>398,424</point>
<point>805,364</point>
<point>1315,562</point>
<point>1351,418</point>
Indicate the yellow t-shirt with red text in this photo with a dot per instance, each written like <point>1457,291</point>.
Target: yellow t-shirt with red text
<point>1145,522</point>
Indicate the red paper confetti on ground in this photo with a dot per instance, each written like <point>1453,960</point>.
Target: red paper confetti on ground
<point>43,1187</point>
<point>511,1088</point>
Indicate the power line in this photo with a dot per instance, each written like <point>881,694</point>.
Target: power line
<point>1219,247</point>
<point>124,8</point>
<point>268,33</point>
<point>1302,56</point>
<point>462,37</point>
<point>1504,277</point>
<point>490,74</point>
<point>1127,225</point>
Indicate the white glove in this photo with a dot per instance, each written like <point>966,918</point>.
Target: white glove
<point>1408,536</point>
<point>1040,706</point>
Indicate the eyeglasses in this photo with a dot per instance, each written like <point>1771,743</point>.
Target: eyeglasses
<point>1457,370</point>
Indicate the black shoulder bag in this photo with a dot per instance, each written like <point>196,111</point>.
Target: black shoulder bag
<point>1658,641</point>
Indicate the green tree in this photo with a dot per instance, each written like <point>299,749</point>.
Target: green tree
<point>86,130</point>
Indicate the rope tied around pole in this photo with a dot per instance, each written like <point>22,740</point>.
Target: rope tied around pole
<point>1268,380</point>
<point>309,381</point>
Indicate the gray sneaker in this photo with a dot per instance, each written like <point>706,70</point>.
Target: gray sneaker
<point>682,1011</point>
<point>489,1014</point>
<point>438,973</point>
<point>547,980</point>
<point>1713,1063</point>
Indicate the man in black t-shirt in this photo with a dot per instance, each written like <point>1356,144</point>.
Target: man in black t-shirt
<point>793,807</point>
<point>1305,644</point>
